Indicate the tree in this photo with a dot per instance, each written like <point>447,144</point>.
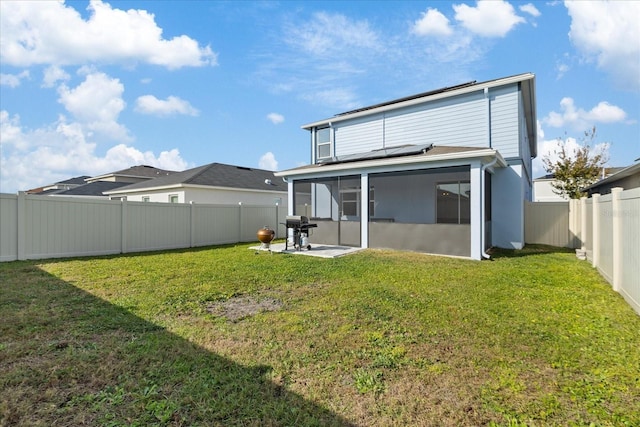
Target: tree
<point>575,168</point>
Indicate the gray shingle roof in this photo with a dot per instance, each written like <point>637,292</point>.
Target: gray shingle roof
<point>216,175</point>
<point>92,189</point>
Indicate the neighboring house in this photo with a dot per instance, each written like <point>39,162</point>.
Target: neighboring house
<point>133,174</point>
<point>94,187</point>
<point>543,190</point>
<point>214,183</point>
<point>444,172</point>
<point>59,186</point>
<point>626,178</point>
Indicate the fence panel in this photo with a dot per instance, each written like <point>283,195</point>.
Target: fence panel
<point>547,223</point>
<point>605,237</point>
<point>35,227</point>
<point>629,216</point>
<point>216,224</point>
<point>70,227</point>
<point>8,227</point>
<point>588,235</point>
<point>156,226</point>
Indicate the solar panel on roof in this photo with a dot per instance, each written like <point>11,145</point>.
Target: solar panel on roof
<point>382,153</point>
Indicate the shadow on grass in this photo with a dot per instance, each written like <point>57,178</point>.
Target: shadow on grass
<point>69,358</point>
<point>528,250</point>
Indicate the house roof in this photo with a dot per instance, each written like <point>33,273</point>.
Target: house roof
<point>526,80</point>
<point>212,175</point>
<point>78,180</point>
<point>140,171</point>
<point>96,188</point>
<point>434,154</point>
<point>620,174</point>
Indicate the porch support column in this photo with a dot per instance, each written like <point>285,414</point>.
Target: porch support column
<point>476,211</point>
<point>290,202</point>
<point>364,210</point>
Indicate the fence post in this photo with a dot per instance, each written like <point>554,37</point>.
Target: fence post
<point>22,226</point>
<point>595,235</point>
<point>617,238</point>
<point>240,227</point>
<point>192,228</point>
<point>583,224</point>
<point>123,239</point>
<point>276,226</point>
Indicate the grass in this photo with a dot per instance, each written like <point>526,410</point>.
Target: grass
<point>534,337</point>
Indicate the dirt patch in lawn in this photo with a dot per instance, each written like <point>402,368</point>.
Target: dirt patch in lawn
<point>239,307</point>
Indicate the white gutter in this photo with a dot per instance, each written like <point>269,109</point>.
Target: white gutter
<point>408,160</point>
<point>483,208</point>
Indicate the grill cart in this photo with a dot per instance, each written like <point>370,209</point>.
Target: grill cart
<point>300,226</point>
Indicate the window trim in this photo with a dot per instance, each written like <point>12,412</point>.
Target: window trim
<point>328,143</point>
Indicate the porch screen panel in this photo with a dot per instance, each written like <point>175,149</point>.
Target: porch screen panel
<point>405,214</point>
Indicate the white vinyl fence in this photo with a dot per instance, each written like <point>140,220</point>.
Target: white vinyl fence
<point>36,227</point>
<point>606,229</point>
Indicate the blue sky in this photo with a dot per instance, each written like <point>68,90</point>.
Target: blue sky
<point>93,87</point>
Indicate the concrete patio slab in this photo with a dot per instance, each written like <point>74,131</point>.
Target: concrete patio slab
<point>319,250</point>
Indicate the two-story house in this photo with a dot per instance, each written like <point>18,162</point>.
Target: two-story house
<point>444,172</point>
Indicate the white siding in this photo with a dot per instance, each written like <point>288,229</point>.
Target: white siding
<point>507,207</point>
<point>359,136</point>
<point>213,195</point>
<point>505,121</point>
<point>458,121</point>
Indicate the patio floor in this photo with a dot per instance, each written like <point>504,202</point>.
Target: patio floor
<point>319,250</point>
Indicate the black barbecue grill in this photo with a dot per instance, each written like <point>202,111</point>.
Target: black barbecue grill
<point>300,226</point>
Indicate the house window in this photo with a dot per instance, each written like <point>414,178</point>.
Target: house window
<point>173,198</point>
<point>453,202</point>
<point>323,143</point>
<point>350,202</point>
<point>145,198</point>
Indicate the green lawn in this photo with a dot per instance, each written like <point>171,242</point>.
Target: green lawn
<point>534,337</point>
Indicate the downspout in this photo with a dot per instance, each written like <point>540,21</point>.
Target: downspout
<point>483,208</point>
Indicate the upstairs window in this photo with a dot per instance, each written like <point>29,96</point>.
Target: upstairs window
<point>323,143</point>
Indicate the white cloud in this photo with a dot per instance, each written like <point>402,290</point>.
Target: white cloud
<point>327,33</point>
<point>488,18</point>
<point>530,9</point>
<point>275,118</point>
<point>268,161</point>
<point>54,74</point>
<point>13,80</point>
<point>580,119</point>
<point>432,22</point>
<point>31,158</point>
<point>51,32</point>
<point>96,103</point>
<point>149,104</point>
<point>608,33</point>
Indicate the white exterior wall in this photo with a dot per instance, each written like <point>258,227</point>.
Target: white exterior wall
<point>505,121</point>
<point>507,207</point>
<point>458,121</point>
<point>213,196</point>
<point>543,192</point>
<point>359,136</point>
